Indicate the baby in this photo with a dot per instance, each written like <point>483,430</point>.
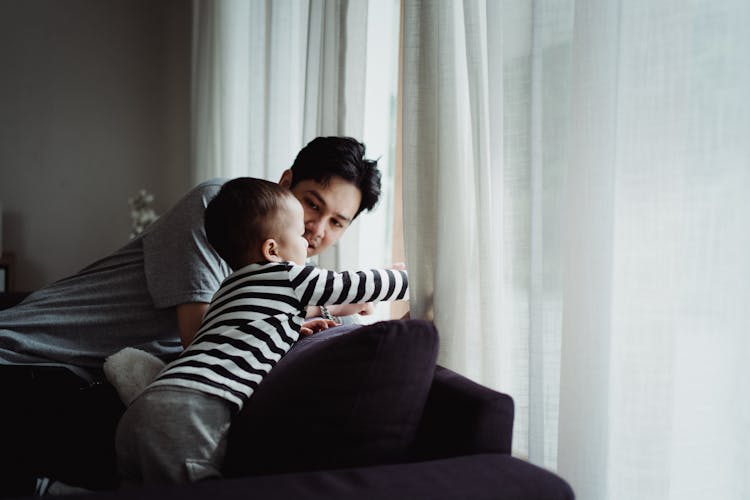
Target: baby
<point>175,431</point>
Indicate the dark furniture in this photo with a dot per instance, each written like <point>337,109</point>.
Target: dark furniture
<point>367,414</point>
<point>8,299</point>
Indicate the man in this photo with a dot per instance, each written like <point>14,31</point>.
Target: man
<point>151,294</point>
<point>334,183</point>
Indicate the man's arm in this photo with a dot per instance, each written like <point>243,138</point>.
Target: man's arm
<point>364,309</point>
<point>189,318</point>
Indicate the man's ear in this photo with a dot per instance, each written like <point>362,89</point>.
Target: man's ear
<point>286,178</point>
<point>270,250</point>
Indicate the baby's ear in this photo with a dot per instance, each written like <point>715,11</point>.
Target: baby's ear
<point>270,250</point>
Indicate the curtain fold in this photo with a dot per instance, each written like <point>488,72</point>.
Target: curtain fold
<point>589,200</point>
<point>451,246</point>
<point>250,69</point>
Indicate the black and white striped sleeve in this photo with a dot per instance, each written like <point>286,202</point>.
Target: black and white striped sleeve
<point>322,287</point>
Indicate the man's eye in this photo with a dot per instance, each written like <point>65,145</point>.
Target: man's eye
<point>337,223</point>
<point>312,205</point>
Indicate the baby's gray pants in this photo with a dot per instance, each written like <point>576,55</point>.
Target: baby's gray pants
<point>172,435</point>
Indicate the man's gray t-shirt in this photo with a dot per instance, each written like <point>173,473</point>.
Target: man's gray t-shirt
<point>126,299</point>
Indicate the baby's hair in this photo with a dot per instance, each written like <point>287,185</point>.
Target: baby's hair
<point>241,216</point>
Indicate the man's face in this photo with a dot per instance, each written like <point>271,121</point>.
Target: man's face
<point>329,209</point>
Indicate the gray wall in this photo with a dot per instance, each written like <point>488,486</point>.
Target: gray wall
<point>94,101</point>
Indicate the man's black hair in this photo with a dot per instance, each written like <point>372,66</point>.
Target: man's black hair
<point>326,157</point>
<point>241,216</point>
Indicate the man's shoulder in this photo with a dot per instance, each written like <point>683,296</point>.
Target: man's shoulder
<point>212,185</point>
<point>197,198</point>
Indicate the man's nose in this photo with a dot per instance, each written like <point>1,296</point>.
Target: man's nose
<point>315,228</point>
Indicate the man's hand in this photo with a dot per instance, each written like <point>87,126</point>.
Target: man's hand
<point>316,325</point>
<point>365,309</point>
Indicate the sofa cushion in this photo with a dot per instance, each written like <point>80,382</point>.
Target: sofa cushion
<point>491,476</point>
<point>347,396</point>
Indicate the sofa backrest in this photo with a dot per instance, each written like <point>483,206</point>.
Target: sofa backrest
<point>348,396</point>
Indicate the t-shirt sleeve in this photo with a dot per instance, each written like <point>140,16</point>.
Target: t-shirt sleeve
<point>180,264</point>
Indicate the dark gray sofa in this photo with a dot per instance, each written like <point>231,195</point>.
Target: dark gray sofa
<point>365,413</point>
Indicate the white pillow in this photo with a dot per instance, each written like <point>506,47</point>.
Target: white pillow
<point>130,371</point>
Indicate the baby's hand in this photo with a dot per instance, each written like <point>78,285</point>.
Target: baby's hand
<point>316,325</point>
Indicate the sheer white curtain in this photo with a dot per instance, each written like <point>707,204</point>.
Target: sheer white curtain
<point>658,205</point>
<point>591,159</point>
<point>449,162</point>
<point>269,76</point>
<point>249,81</point>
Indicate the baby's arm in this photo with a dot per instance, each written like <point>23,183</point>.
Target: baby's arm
<point>322,287</point>
<point>359,309</point>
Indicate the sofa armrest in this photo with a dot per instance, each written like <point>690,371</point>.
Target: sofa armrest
<point>462,417</point>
